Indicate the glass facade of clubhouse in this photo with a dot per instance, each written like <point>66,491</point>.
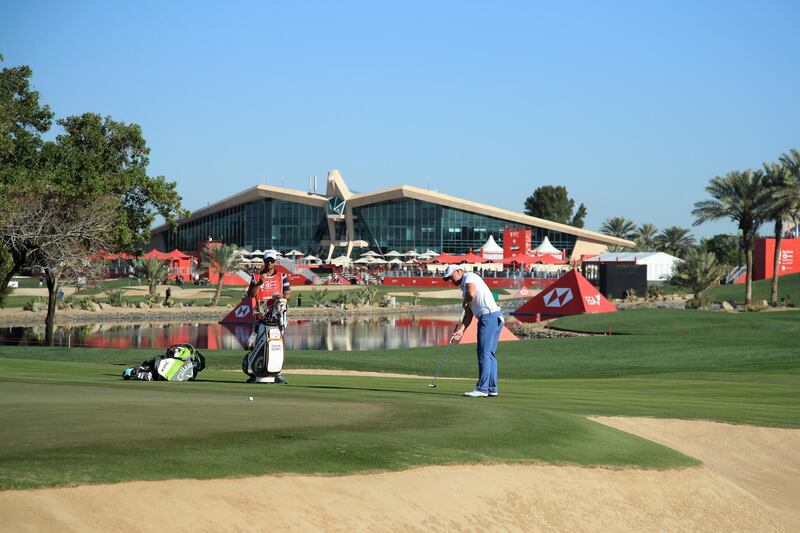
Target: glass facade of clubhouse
<point>341,223</point>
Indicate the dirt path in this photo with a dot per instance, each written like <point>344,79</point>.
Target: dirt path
<point>749,483</point>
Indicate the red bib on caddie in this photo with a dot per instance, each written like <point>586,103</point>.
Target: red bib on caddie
<point>272,285</point>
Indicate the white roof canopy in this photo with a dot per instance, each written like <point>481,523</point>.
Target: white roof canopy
<point>341,261</point>
<point>491,246</point>
<point>546,248</point>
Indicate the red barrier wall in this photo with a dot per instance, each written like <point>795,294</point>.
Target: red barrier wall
<point>764,257</point>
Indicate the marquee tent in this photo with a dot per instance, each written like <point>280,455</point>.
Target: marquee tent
<point>546,248</point>
<point>491,250</point>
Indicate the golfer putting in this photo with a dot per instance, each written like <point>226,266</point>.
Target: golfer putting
<point>479,303</point>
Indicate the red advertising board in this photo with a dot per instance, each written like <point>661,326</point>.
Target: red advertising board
<point>516,241</point>
<point>764,258</point>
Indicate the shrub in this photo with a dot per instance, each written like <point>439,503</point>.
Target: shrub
<point>786,301</point>
<point>86,304</point>
<point>115,297</point>
<point>317,297</point>
<point>654,292</point>
<point>630,294</point>
<point>367,295</point>
<point>37,304</point>
<point>702,301</point>
<point>756,307</point>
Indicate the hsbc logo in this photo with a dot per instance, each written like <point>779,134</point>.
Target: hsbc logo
<point>242,311</point>
<point>558,297</point>
<point>592,300</point>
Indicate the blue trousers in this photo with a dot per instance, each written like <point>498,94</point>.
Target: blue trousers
<point>489,327</point>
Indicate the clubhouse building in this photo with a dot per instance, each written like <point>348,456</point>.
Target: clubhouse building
<point>341,223</point>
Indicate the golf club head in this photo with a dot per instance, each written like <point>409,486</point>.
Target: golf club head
<point>432,385</point>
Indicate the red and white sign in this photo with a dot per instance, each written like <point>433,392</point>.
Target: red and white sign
<point>571,294</point>
<point>558,297</point>
<point>241,314</point>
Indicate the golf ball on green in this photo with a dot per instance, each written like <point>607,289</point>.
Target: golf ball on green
<point>251,398</point>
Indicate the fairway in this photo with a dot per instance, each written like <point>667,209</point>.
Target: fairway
<point>69,419</point>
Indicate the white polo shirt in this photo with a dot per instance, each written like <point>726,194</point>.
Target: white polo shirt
<point>484,301</point>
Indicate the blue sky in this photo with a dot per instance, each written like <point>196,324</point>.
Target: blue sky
<point>633,106</point>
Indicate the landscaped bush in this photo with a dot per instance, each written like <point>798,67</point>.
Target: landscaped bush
<point>702,301</point>
<point>115,297</point>
<point>86,304</point>
<point>37,304</point>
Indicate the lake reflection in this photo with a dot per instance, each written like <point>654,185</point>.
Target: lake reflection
<point>348,334</point>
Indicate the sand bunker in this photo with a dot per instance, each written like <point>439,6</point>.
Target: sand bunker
<point>749,483</point>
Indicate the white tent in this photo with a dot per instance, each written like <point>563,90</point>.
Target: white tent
<point>396,261</point>
<point>378,261</point>
<point>546,249</point>
<point>364,260</point>
<point>369,253</point>
<point>411,253</point>
<point>257,253</point>
<point>491,250</point>
<point>393,253</point>
<point>341,261</point>
<point>659,265</point>
<point>430,252</point>
<point>293,253</point>
<point>311,259</point>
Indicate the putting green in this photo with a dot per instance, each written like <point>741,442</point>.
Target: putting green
<point>68,421</point>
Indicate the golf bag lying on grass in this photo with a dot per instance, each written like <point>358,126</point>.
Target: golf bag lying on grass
<point>264,361</point>
<point>181,363</point>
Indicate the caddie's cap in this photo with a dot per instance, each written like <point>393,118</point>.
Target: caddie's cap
<point>449,271</point>
<point>271,254</point>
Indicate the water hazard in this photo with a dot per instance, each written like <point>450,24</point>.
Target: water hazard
<point>348,334</point>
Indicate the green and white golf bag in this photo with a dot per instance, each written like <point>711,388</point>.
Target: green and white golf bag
<point>264,361</point>
<point>181,362</point>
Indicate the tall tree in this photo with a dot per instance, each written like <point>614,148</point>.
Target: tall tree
<point>742,196</point>
<point>779,179</point>
<point>619,227</point>
<point>23,120</point>
<point>551,202</point>
<point>220,259</point>
<point>96,156</point>
<point>60,236</point>
<point>645,237</point>
<point>675,240</point>
<point>153,271</point>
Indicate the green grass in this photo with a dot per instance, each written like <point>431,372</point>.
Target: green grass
<point>788,285</point>
<point>67,418</point>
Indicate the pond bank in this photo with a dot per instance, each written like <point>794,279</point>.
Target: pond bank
<point>18,318</point>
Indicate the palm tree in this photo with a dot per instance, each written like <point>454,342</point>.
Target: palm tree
<point>618,227</point>
<point>645,237</point>
<point>221,259</point>
<point>675,240</point>
<point>782,205</point>
<point>697,272</point>
<point>153,271</point>
<point>743,197</point>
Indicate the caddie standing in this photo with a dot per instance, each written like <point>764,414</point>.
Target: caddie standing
<point>479,303</point>
<point>269,287</point>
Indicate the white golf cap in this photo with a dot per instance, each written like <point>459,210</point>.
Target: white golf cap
<point>271,254</point>
<point>450,269</point>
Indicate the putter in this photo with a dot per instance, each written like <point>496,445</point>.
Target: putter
<point>432,384</point>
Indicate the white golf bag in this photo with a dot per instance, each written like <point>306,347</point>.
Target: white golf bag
<point>264,361</point>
